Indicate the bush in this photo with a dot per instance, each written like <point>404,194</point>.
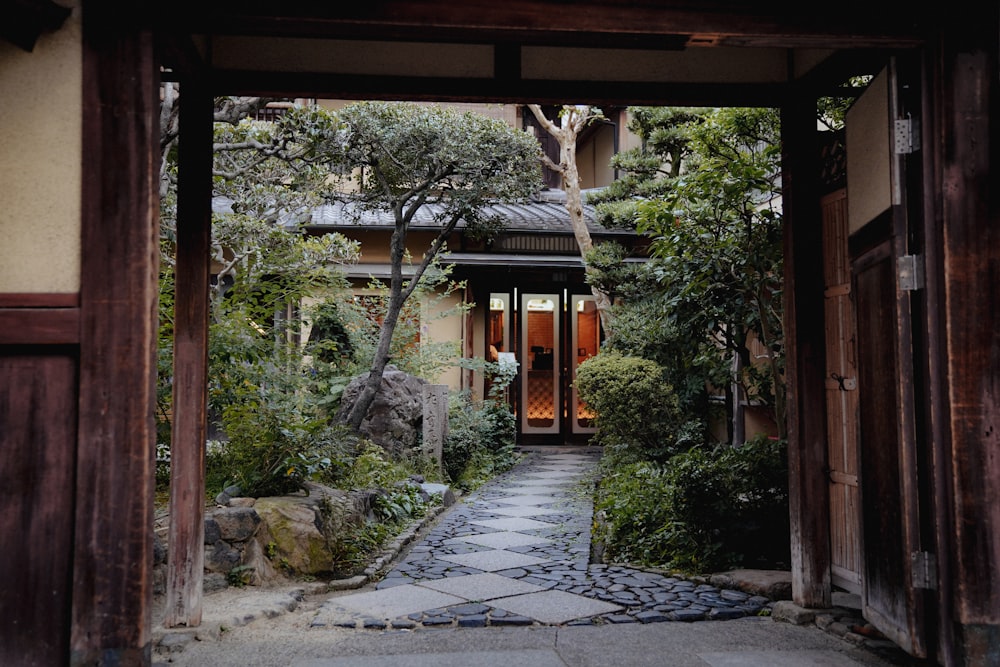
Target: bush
<point>635,406</point>
<point>480,442</point>
<point>704,510</point>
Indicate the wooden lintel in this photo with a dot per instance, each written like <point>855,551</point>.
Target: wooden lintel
<point>39,326</point>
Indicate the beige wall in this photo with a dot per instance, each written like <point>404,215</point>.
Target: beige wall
<point>869,184</point>
<point>40,163</point>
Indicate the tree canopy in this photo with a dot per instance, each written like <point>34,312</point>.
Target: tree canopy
<point>404,157</point>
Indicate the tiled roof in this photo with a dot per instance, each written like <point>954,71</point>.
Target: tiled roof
<point>539,216</point>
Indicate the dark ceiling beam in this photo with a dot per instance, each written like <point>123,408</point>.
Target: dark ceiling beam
<point>607,23</point>
<point>512,91</point>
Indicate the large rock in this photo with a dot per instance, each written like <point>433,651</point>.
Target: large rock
<point>305,531</point>
<point>395,418</point>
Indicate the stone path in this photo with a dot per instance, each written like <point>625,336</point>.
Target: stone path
<point>517,552</point>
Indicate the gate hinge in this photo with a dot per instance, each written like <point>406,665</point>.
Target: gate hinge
<point>911,272</point>
<point>924,568</point>
<point>906,136</point>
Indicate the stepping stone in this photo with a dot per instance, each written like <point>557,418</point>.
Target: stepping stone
<point>527,500</point>
<point>554,607</point>
<point>502,540</point>
<point>485,586</point>
<point>525,511</point>
<point>543,482</point>
<point>493,560</point>
<point>514,524</point>
<point>391,602</point>
<point>535,490</point>
<point>554,474</point>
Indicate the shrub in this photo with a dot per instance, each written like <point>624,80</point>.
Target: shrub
<point>635,406</point>
<point>480,442</point>
<point>705,509</point>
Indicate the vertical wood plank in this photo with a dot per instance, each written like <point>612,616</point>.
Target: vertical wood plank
<point>38,432</point>
<point>809,501</point>
<point>186,541</point>
<point>113,542</point>
<point>970,274</point>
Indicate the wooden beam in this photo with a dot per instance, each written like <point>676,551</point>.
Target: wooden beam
<point>969,256</point>
<point>505,89</point>
<point>619,24</point>
<point>808,487</point>
<point>39,326</point>
<point>186,541</point>
<point>113,545</point>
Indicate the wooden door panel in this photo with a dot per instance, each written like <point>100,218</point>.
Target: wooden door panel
<point>841,397</point>
<point>38,431</point>
<point>888,508</point>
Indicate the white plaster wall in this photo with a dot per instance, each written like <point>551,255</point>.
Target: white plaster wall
<point>40,162</point>
<point>869,184</point>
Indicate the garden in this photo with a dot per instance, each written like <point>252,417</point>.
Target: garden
<point>288,335</point>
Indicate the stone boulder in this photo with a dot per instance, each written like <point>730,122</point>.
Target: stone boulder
<point>305,532</point>
<point>395,419</point>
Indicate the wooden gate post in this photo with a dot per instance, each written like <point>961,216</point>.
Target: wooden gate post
<point>808,493</point>
<point>186,539</point>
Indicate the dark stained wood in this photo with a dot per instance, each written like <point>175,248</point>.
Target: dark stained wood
<point>38,427</point>
<point>113,546</point>
<point>186,562</point>
<point>39,300</point>
<point>495,90</point>
<point>969,105</point>
<point>808,490</point>
<point>885,545</point>
<point>42,326</point>
<point>620,24</point>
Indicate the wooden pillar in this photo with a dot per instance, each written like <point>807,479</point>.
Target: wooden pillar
<point>113,520</point>
<point>809,502</point>
<point>965,269</point>
<point>186,540</point>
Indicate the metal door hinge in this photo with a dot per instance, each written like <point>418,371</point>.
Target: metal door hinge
<point>911,272</point>
<point>906,136</point>
<point>924,568</point>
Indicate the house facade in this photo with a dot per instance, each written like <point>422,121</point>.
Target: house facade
<point>901,264</point>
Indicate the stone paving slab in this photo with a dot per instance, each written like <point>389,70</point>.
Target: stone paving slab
<point>524,500</point>
<point>525,511</point>
<point>487,586</point>
<point>535,490</point>
<point>502,540</point>
<point>393,602</point>
<point>513,523</point>
<point>554,607</point>
<point>544,482</point>
<point>493,560</point>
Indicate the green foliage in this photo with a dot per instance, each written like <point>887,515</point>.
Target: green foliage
<point>648,171</point>
<point>701,511</point>
<point>412,349</point>
<point>481,435</point>
<point>717,242</point>
<point>635,406</point>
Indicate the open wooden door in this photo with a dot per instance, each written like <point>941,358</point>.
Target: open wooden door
<point>895,567</point>
<point>841,397</point>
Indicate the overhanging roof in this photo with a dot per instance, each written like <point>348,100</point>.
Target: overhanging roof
<point>545,215</point>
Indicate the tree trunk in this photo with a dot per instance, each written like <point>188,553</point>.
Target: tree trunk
<point>566,135</point>
<point>367,396</point>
